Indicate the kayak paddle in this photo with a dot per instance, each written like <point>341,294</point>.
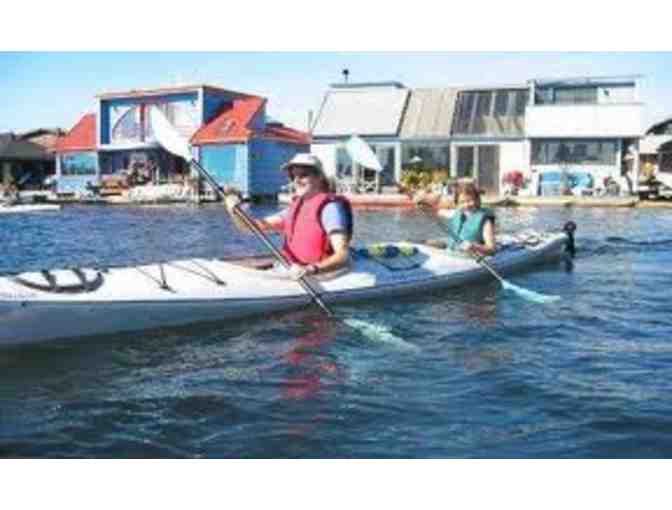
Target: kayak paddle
<point>173,142</point>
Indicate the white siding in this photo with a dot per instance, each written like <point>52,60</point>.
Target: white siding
<point>572,121</point>
<point>513,156</point>
<point>327,154</point>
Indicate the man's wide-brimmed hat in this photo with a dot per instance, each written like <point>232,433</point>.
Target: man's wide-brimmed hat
<point>306,160</point>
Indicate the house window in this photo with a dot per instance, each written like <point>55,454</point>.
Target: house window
<point>128,127</point>
<point>81,163</point>
<point>484,100</point>
<point>466,105</point>
<point>430,156</point>
<point>553,152</point>
<point>501,103</point>
<point>576,95</point>
<point>521,102</point>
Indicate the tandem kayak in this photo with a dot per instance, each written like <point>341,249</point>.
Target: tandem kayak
<point>79,302</point>
<point>28,208</point>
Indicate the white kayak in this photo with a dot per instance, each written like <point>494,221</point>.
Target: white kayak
<point>28,208</point>
<point>71,303</point>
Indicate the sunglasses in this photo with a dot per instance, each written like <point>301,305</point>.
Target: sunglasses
<point>302,172</point>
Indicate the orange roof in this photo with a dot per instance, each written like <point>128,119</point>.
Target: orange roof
<point>82,137</point>
<point>233,124</point>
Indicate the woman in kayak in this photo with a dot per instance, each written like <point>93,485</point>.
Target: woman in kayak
<point>317,225</point>
<point>471,227</point>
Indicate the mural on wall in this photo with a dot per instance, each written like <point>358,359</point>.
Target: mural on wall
<point>131,124</point>
<point>80,163</point>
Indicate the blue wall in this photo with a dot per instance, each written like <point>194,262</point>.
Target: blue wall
<point>266,158</point>
<point>212,103</point>
<point>228,164</point>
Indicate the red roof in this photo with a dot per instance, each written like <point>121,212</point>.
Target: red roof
<point>82,137</point>
<point>233,124</point>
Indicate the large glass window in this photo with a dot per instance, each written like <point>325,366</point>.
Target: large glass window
<point>484,100</point>
<point>128,127</point>
<point>475,111</point>
<point>501,103</point>
<point>551,152</point>
<point>80,163</point>
<point>521,102</point>
<point>465,106</point>
<point>429,156</point>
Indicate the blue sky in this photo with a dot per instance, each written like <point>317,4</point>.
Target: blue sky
<point>43,89</point>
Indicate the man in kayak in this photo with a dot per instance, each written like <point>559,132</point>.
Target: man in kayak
<point>317,225</point>
<point>471,227</point>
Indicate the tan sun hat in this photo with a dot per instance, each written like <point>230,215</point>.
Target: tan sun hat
<point>304,159</point>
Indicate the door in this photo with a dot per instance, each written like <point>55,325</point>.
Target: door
<point>488,168</point>
<point>386,157</point>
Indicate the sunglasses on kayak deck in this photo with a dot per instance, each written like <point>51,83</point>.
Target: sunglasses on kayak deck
<point>298,172</point>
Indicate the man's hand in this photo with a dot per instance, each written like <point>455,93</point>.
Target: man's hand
<point>232,198</point>
<point>297,271</point>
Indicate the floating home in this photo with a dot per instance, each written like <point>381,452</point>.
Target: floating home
<point>231,134</point>
<point>542,128</point>
<point>23,162</point>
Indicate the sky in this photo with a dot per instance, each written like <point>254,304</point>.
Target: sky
<point>45,89</point>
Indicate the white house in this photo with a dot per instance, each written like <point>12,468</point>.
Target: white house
<point>589,126</point>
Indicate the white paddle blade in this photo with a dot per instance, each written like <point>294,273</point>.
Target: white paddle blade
<point>529,295</point>
<point>168,136</point>
<point>361,153</point>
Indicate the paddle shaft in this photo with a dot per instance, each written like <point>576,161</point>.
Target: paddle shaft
<point>252,225</point>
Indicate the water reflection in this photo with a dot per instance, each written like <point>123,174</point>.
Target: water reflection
<point>309,365</point>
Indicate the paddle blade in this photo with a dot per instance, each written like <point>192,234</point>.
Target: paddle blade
<point>380,334</point>
<point>166,134</point>
<point>529,295</point>
<point>361,153</point>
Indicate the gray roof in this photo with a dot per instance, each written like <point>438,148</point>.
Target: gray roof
<point>374,111</point>
<point>12,148</point>
<point>429,113</point>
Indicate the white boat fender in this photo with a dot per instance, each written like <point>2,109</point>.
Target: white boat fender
<point>61,282</point>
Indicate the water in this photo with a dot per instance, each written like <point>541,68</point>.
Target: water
<point>490,376</point>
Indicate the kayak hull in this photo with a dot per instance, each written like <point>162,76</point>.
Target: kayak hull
<point>193,291</point>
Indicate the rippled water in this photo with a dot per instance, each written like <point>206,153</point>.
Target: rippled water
<point>492,376</point>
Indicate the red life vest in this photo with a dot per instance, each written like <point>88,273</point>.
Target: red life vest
<point>306,241</point>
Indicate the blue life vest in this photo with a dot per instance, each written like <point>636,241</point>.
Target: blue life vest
<point>468,228</point>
